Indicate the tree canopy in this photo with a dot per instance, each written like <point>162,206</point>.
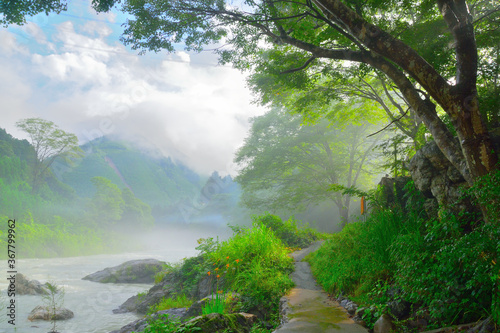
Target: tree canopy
<point>49,142</point>
<point>427,49</point>
<point>289,165</point>
<point>407,41</point>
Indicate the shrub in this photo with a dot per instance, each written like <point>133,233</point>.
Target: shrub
<point>448,272</point>
<point>358,256</point>
<point>443,269</point>
<point>255,263</point>
<point>288,231</point>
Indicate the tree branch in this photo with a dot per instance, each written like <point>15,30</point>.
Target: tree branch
<point>383,129</point>
<point>459,20</point>
<point>301,67</point>
<point>379,41</point>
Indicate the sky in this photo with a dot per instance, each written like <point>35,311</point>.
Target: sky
<point>73,70</point>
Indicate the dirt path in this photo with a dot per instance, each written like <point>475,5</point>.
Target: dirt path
<point>308,308</point>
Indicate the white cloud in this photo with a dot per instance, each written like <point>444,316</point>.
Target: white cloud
<point>195,113</point>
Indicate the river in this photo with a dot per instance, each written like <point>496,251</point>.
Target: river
<point>92,303</point>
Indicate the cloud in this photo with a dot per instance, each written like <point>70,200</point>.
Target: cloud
<point>195,113</point>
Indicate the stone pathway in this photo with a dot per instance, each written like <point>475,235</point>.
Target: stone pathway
<point>308,308</point>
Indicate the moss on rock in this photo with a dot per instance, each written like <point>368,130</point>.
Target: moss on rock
<point>218,323</point>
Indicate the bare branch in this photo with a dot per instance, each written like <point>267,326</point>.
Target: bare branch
<point>383,129</point>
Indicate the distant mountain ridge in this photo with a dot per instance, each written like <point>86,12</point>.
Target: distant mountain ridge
<point>158,181</point>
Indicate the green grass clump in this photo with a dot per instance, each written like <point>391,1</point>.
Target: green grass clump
<point>353,260</point>
<point>254,263</point>
<point>181,301</point>
<point>288,231</point>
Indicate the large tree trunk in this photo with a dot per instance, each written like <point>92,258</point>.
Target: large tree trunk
<point>459,100</point>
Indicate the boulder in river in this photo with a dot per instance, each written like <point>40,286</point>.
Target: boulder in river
<point>44,313</point>
<point>133,271</point>
<point>29,287</point>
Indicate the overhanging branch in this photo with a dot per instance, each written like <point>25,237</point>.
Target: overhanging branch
<point>304,66</point>
<point>392,122</point>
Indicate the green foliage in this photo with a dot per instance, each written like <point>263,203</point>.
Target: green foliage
<point>49,142</point>
<point>287,164</point>
<point>163,324</point>
<point>216,304</point>
<point>358,256</point>
<point>157,181</point>
<point>60,238</point>
<point>451,274</point>
<point>111,206</point>
<point>15,12</point>
<point>486,192</point>
<point>378,299</point>
<point>54,300</point>
<point>255,264</point>
<point>179,301</point>
<point>106,205</point>
<point>288,231</point>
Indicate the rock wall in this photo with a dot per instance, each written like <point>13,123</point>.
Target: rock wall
<point>439,180</point>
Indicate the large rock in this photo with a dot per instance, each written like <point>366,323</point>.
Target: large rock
<point>29,287</point>
<point>141,305</point>
<point>438,179</point>
<point>44,313</point>
<point>140,324</point>
<point>134,271</point>
<point>392,190</point>
<point>384,325</point>
<point>399,308</point>
<point>434,175</point>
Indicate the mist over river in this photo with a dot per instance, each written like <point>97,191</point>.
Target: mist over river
<point>91,302</point>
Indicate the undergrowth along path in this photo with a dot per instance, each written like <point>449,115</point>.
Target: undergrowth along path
<point>307,308</point>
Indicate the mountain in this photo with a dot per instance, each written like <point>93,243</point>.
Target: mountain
<point>158,181</point>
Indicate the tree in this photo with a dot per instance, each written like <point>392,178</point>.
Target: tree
<point>306,34</point>
<point>106,206</point>
<point>49,142</point>
<point>288,165</point>
<point>407,41</point>
<point>53,299</point>
<point>111,206</point>
<point>135,212</point>
<point>15,11</point>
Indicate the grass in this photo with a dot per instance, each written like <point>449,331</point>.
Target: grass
<point>254,263</point>
<point>289,231</point>
<point>181,301</point>
<point>448,272</point>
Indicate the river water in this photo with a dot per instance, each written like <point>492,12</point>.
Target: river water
<point>91,302</point>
